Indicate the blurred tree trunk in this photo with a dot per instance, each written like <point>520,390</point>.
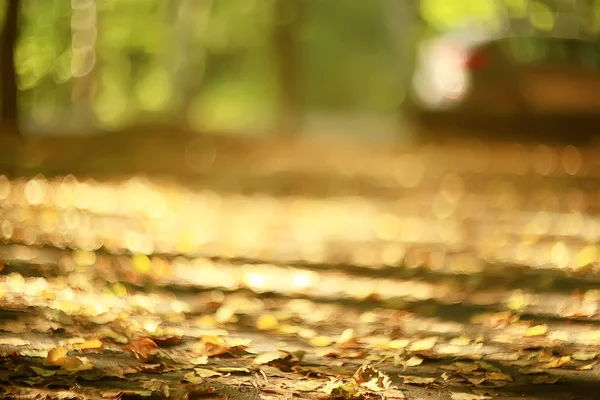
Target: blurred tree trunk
<point>9,112</point>
<point>186,59</point>
<point>287,20</point>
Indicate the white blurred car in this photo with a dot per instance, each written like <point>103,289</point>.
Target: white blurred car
<point>484,80</point>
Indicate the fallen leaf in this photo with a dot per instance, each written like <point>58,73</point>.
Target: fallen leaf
<point>34,353</point>
<point>460,341</point>
<point>584,355</point>
<point>320,341</point>
<point>446,349</point>
<point>589,337</point>
<point>14,341</point>
<point>267,322</point>
<point>563,336</point>
<point>413,361</point>
<point>144,349</point>
<point>202,360</point>
<point>331,385</point>
<point>537,330</point>
<point>166,341</point>
<point>229,370</point>
<point>498,376</point>
<point>417,380</point>
<point>423,344</point>
<point>268,357</point>
<point>587,367</point>
<point>206,373</point>
<point>348,336</point>
<point>476,380</point>
<point>557,362</point>
<point>546,379</point>
<point>77,364</point>
<point>88,345</point>
<point>398,343</point>
<point>306,386</point>
<point>467,396</point>
<point>531,371</point>
<point>371,378</point>
<point>191,377</point>
<point>56,356</point>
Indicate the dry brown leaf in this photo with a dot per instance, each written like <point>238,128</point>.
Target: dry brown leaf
<point>557,362</point>
<point>546,379</point>
<point>371,378</point>
<point>476,380</point>
<point>144,349</point>
<point>417,380</point>
<point>498,376</point>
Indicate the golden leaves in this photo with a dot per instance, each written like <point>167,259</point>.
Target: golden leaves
<point>57,357</point>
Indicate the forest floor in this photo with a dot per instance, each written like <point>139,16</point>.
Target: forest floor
<point>211,268</point>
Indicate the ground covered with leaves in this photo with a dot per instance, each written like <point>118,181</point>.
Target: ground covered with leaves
<point>442,273</point>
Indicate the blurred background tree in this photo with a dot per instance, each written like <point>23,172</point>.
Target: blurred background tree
<point>282,66</point>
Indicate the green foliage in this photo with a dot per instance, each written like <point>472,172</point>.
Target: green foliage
<point>209,63</point>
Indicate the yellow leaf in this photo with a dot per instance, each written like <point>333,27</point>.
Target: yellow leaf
<point>423,344</point>
<point>398,343</point>
<point>584,355</point>
<point>76,364</point>
<point>142,264</point>
<point>413,361</point>
<point>199,360</point>
<point>536,330</point>
<point>321,341</point>
<point>88,345</point>
<point>56,356</point>
<point>518,301</point>
<point>267,322</point>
